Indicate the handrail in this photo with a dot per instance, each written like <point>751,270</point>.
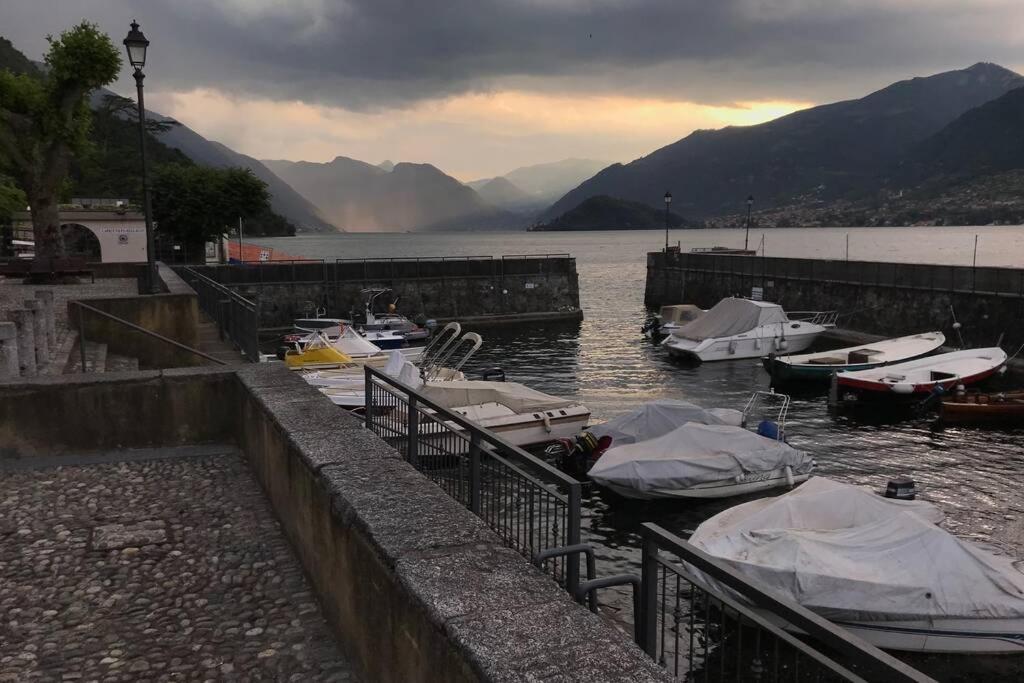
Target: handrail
<point>133,326</point>
<point>835,637</point>
<point>218,286</point>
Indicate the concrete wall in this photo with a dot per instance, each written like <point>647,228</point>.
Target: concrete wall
<point>415,587</point>
<point>448,289</point>
<point>888,299</point>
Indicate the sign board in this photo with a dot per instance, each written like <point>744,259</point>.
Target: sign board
<point>757,293</point>
<point>264,255</point>
<point>529,285</point>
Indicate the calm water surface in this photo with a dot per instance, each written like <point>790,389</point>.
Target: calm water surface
<point>973,475</point>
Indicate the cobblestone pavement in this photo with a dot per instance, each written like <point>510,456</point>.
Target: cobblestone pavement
<point>170,569</point>
<point>13,294</point>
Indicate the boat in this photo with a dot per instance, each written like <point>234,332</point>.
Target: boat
<point>706,460</point>
<point>821,365</point>
<point>742,328</point>
<point>317,353</point>
<point>969,408</point>
<point>879,567</point>
<point>671,318</point>
<point>918,378</point>
<point>391,321</point>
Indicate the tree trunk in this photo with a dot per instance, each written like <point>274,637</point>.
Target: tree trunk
<point>46,225</point>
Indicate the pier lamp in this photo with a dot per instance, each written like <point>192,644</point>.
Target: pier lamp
<point>750,205</point>
<point>668,201</point>
<point>136,44</point>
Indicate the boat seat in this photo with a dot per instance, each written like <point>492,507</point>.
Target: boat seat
<point>827,360</point>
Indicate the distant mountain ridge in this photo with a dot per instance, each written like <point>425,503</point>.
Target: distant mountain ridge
<point>355,195</point>
<point>821,154</point>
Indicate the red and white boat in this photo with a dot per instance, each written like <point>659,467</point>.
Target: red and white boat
<point>922,376</point>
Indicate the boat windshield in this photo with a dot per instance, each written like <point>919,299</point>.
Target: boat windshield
<point>731,316</point>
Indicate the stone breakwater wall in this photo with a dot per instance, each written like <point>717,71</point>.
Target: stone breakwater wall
<point>489,289</point>
<point>889,299</point>
<point>415,587</point>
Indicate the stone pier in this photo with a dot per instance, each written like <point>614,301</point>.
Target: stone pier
<point>24,321</point>
<point>42,347</point>
<point>9,368</point>
<point>46,297</point>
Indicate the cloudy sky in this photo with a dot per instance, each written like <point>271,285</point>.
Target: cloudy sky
<point>479,87</point>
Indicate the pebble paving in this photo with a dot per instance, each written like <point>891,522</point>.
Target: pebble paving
<point>155,570</point>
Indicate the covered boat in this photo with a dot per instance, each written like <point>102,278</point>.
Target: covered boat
<point>925,375</point>
<point>671,318</point>
<point>741,328</point>
<point>999,408</point>
<point>876,566</point>
<point>658,418</point>
<point>821,365</point>
<point>701,461</point>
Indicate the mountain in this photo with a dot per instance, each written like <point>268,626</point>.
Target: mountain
<point>502,193</point>
<point>284,199</point>
<point>386,165</point>
<point>608,213</point>
<point>13,60</point>
<point>555,178</point>
<point>359,196</point>
<point>823,153</point>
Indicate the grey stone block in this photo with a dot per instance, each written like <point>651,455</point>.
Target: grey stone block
<point>333,446</point>
<point>398,509</point>
<point>256,375</point>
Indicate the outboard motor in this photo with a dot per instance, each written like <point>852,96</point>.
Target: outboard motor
<point>577,455</point>
<point>901,488</point>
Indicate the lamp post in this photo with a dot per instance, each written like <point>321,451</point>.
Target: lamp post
<point>668,201</point>
<point>135,43</point>
<point>750,205</point>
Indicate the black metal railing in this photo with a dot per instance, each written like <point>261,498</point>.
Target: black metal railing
<point>530,504</point>
<point>703,621</point>
<point>237,318</point>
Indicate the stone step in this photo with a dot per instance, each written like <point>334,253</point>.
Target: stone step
<point>95,358</point>
<point>118,363</point>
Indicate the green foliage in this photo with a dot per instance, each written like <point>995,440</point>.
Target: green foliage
<point>197,203</point>
<point>11,199</point>
<point>82,58</point>
<point>14,61</point>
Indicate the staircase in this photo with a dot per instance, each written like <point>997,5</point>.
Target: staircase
<point>211,344</point>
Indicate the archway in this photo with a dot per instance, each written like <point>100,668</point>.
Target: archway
<point>79,240</point>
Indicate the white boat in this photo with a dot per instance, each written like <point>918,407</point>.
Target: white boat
<point>706,460</point>
<point>671,318</point>
<point>879,567</point>
<point>741,328</point>
<point>658,418</point>
<point>820,366</point>
<point>924,375</point>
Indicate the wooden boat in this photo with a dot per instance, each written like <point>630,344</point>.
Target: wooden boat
<point>920,377</point>
<point>820,366</point>
<point>980,408</point>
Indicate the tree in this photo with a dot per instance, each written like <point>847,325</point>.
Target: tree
<point>44,121</point>
<point>194,204</point>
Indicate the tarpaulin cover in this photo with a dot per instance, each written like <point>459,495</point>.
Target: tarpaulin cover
<point>657,418</point>
<point>519,398</point>
<point>695,454</point>
<point>731,316</point>
<point>850,554</point>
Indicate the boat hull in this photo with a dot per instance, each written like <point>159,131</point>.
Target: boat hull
<point>952,636</point>
<point>726,488</point>
<point>742,346</point>
<point>997,409</point>
<point>873,389</point>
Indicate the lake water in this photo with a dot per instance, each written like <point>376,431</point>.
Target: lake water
<point>973,475</point>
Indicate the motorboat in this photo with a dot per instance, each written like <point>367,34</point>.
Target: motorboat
<point>879,567</point>
<point>391,321</point>
<point>820,366</point>
<point>742,328</point>
<point>971,408</point>
<point>317,353</point>
<point>918,378</point>
<point>699,460</point>
<point>671,318</point>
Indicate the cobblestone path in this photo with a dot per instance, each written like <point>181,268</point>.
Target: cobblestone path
<point>169,569</point>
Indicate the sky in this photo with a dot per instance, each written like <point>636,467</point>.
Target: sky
<point>480,87</point>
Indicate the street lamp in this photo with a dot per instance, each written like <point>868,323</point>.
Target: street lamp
<point>668,201</point>
<point>135,43</point>
<point>750,205</point>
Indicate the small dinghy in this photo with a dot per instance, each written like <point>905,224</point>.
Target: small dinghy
<point>879,567</point>
<point>658,418</point>
<point>923,376</point>
<point>705,461</point>
<point>741,328</point>
<point>971,408</point>
<point>819,367</point>
<point>670,319</point>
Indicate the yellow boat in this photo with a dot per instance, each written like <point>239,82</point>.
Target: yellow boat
<point>318,353</point>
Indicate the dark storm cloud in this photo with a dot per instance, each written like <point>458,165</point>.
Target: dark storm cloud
<point>370,53</point>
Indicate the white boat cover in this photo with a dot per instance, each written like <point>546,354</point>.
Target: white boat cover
<point>695,454</point>
<point>352,344</point>
<point>519,398</point>
<point>656,418</point>
<point>731,316</point>
<point>850,554</point>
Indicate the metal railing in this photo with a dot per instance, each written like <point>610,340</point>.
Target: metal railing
<point>702,620</point>
<point>121,321</point>
<point>530,504</point>
<point>236,317</point>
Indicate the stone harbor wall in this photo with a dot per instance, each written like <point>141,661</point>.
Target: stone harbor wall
<point>890,299</point>
<point>497,290</point>
<point>412,585</point>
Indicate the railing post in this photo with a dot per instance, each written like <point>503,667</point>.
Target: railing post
<point>81,338</point>
<point>368,396</point>
<point>647,620</point>
<point>572,563</point>
<point>412,450</point>
<point>474,473</point>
